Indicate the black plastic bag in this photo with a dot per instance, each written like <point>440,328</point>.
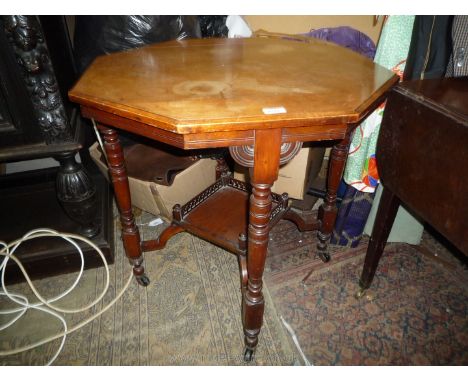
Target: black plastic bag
<point>98,35</point>
<point>213,26</point>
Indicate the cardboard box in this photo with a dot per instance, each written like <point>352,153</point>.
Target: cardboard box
<point>292,177</point>
<point>158,199</point>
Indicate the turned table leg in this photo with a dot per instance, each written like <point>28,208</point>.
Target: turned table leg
<point>264,174</point>
<point>118,174</point>
<point>328,211</point>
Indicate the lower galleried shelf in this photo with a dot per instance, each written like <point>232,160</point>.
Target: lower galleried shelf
<point>220,215</point>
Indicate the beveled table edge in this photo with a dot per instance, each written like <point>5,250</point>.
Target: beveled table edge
<point>230,124</point>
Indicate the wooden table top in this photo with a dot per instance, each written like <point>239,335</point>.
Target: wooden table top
<point>448,93</point>
<point>208,85</point>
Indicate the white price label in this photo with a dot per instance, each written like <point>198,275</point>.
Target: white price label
<point>274,110</point>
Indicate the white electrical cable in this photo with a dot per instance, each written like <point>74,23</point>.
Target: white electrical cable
<point>8,252</point>
<point>296,341</point>
<point>98,136</point>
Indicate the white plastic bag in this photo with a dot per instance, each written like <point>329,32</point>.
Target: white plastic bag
<point>237,27</point>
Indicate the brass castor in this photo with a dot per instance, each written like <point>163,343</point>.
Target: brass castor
<point>248,354</point>
<point>362,289</point>
<point>143,280</point>
<point>361,293</point>
<point>324,256</point>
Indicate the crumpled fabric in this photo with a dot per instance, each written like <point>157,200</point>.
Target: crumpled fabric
<point>361,167</point>
<point>347,37</point>
<point>361,172</point>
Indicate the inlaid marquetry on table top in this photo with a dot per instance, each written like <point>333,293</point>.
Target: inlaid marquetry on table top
<point>262,98</point>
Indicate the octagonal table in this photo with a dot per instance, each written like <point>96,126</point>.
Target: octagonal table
<point>260,97</point>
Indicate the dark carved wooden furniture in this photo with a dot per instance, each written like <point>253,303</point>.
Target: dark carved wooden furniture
<point>261,98</point>
<point>423,162</point>
<point>37,121</point>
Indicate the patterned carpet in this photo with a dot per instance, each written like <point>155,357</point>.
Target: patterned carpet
<point>415,313</point>
<point>189,315</point>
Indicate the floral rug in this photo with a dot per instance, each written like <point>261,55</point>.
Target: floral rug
<point>415,312</point>
<point>190,314</point>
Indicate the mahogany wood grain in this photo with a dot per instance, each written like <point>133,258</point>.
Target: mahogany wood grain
<point>328,210</point>
<point>304,221</point>
<point>118,174</point>
<point>423,159</point>
<point>213,139</point>
<point>264,174</point>
<point>219,215</point>
<point>161,241</point>
<point>223,218</point>
<point>210,93</point>
<point>212,85</point>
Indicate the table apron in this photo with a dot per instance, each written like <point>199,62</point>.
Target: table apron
<point>213,139</point>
